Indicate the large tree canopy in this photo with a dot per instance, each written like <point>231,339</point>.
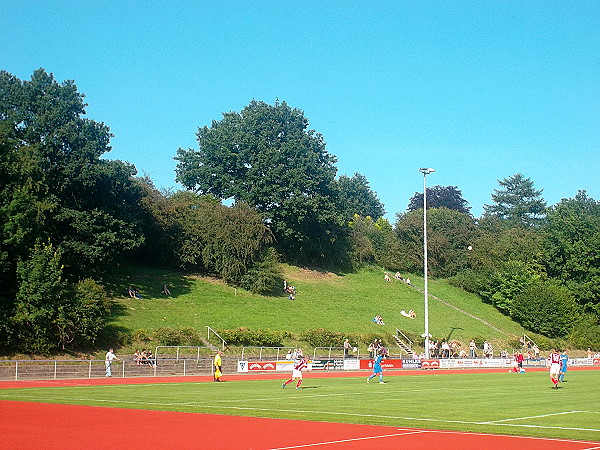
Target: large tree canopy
<point>54,183</point>
<point>572,246</point>
<point>517,202</point>
<point>55,189</point>
<point>266,156</point>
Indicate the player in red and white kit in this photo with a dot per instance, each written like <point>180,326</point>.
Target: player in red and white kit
<point>299,366</point>
<point>554,359</point>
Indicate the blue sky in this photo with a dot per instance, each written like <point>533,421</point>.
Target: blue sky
<point>478,90</point>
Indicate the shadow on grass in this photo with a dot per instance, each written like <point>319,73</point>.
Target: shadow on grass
<point>148,281</point>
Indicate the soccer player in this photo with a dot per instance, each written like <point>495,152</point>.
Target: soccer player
<point>299,365</point>
<point>564,358</point>
<point>554,359</point>
<point>377,370</point>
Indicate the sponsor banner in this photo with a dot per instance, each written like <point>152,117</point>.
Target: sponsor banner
<point>385,364</point>
<point>328,364</point>
<point>582,362</point>
<point>411,364</point>
<point>430,364</point>
<point>458,363</point>
<point>596,361</point>
<point>285,366</point>
<point>288,366</point>
<point>258,366</point>
<point>242,366</point>
<point>351,364</point>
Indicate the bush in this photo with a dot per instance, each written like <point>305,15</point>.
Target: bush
<point>141,335</point>
<point>263,275</point>
<point>258,338</point>
<point>323,338</point>
<point>586,333</point>
<point>177,336</point>
<point>546,309</point>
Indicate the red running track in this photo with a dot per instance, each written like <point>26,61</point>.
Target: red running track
<point>27,425</point>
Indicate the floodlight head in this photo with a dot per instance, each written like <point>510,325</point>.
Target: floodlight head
<point>426,171</point>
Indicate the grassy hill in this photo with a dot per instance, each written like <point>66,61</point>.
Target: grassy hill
<point>344,303</point>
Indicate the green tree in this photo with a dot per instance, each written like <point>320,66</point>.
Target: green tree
<point>449,234</point>
<point>440,197</point>
<point>517,202</point>
<point>572,248</point>
<point>41,292</point>
<point>356,197</point>
<point>267,157</point>
<point>57,186</point>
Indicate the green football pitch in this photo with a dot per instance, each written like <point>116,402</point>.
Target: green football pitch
<point>501,403</point>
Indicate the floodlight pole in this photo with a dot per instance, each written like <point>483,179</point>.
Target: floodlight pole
<point>425,171</point>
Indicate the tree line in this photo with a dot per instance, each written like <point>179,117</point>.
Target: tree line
<point>69,217</point>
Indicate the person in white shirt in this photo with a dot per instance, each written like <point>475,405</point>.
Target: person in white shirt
<point>110,357</point>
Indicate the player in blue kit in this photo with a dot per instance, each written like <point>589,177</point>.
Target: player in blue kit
<point>564,359</point>
<point>377,370</point>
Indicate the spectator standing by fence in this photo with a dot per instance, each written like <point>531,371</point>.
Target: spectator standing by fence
<point>347,348</point>
<point>108,359</point>
<point>472,349</point>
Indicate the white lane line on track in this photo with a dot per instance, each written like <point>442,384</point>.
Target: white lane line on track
<point>316,444</point>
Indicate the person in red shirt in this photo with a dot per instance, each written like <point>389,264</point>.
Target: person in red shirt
<point>554,360</point>
<point>299,365</point>
<point>519,362</point>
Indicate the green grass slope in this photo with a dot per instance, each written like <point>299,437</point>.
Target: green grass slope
<point>345,303</point>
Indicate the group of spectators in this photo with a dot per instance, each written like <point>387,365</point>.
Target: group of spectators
<point>444,349</point>
<point>397,276</point>
<point>377,348</point>
<point>145,357</point>
<point>294,354</point>
<point>133,292</point>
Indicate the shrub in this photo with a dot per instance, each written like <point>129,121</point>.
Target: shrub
<point>323,338</point>
<point>258,338</point>
<point>141,335</point>
<point>586,333</point>
<point>546,309</point>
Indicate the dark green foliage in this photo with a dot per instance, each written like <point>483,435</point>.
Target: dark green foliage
<point>50,313</point>
<point>507,283</point>
<point>257,338</point>
<point>449,234</point>
<point>264,274</point>
<point>87,313</point>
<point>572,247</point>
<point>517,202</point>
<point>186,336</point>
<point>38,307</point>
<point>355,197</point>
<point>266,156</point>
<point>546,309</point>
<point>440,197</point>
<point>586,332</point>
<point>323,338</point>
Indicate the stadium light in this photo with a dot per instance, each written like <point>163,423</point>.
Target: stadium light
<point>425,171</point>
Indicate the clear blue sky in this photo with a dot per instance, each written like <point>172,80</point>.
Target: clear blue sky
<point>478,90</point>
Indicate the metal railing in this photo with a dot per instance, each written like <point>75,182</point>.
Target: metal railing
<point>210,330</point>
<point>277,353</point>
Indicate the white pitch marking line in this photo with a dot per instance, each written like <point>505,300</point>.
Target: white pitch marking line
<point>348,440</point>
<point>530,417</point>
